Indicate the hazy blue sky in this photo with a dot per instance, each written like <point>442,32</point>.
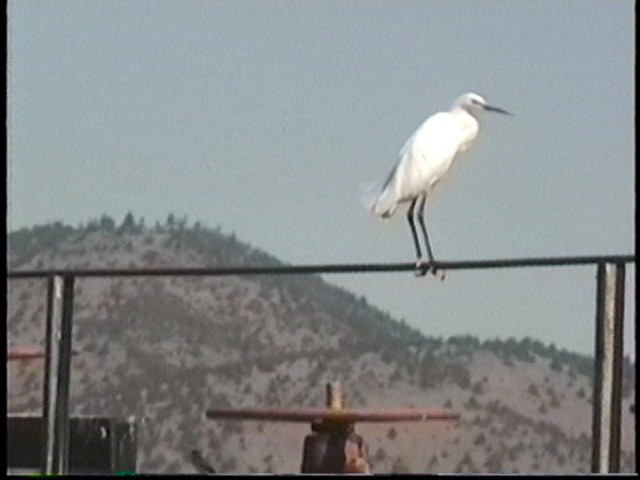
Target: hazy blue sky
<point>270,117</point>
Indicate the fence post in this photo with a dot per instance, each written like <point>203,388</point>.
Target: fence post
<point>607,389</point>
<point>57,374</point>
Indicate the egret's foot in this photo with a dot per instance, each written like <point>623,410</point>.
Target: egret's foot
<point>439,273</point>
<point>423,267</point>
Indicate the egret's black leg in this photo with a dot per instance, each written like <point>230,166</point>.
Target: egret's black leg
<point>421,201</point>
<point>414,234</point>
<point>420,214</point>
<point>421,270</point>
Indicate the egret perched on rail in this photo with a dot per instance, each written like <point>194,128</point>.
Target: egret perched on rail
<point>425,159</point>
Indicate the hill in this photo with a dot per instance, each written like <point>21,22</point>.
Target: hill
<point>166,349</point>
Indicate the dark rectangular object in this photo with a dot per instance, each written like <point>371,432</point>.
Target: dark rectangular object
<point>97,445</point>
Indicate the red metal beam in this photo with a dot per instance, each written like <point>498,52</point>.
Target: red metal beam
<point>28,353</point>
<point>306,415</point>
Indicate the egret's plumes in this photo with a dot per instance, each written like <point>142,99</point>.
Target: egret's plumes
<point>425,159</point>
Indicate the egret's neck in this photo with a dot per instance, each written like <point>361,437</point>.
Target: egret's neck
<point>468,126</point>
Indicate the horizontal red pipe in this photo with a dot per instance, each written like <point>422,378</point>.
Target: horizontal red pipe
<point>27,353</point>
<point>339,416</point>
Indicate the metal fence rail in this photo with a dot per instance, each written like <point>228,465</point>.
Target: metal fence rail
<point>610,275</point>
<point>325,268</point>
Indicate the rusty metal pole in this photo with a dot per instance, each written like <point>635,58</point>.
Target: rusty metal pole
<point>57,375</point>
<point>335,397</point>
<point>334,447</point>
<point>607,390</point>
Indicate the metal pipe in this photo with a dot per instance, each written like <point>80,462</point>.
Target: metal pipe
<point>607,389</point>
<point>327,268</point>
<point>334,416</point>
<point>25,353</point>
<point>57,375</point>
<point>335,396</point>
<point>54,307</point>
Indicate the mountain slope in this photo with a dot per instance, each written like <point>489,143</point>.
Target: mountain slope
<point>167,349</point>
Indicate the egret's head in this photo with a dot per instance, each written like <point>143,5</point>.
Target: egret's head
<point>473,103</point>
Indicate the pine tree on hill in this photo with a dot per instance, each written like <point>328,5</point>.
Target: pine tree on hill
<point>128,225</point>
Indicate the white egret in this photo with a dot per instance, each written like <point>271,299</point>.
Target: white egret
<point>425,159</point>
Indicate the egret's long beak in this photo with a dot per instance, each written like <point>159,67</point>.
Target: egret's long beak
<point>496,109</point>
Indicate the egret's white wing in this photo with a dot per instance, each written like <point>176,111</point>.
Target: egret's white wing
<point>427,155</point>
